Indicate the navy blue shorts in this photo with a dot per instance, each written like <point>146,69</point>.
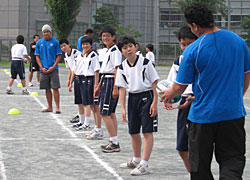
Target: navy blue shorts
<point>77,91</point>
<point>107,102</point>
<point>17,68</point>
<point>182,137</point>
<point>138,113</point>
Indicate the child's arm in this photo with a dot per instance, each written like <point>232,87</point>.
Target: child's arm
<point>28,57</point>
<point>96,89</point>
<point>71,81</point>
<point>69,77</point>
<point>122,96</point>
<point>115,92</point>
<point>153,107</point>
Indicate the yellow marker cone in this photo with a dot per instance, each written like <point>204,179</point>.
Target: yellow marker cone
<point>19,85</point>
<point>34,94</point>
<point>5,70</point>
<point>8,73</point>
<point>13,111</point>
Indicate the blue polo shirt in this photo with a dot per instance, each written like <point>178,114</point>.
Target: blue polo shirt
<point>48,50</point>
<point>79,45</point>
<point>215,64</point>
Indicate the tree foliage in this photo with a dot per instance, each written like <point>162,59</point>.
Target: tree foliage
<point>246,29</point>
<point>63,15</point>
<point>215,5</point>
<point>105,17</point>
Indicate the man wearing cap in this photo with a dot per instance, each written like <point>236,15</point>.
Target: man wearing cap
<point>48,55</point>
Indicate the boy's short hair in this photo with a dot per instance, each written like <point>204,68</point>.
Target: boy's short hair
<point>89,31</point>
<point>199,14</point>
<point>150,47</point>
<point>108,29</point>
<point>124,41</point>
<point>185,32</point>
<point>87,39</point>
<point>20,39</point>
<point>64,41</point>
<point>36,35</point>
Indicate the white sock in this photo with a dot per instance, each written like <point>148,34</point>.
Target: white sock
<point>8,88</point>
<point>86,121</point>
<point>137,159</point>
<point>98,129</point>
<point>144,163</point>
<point>81,118</point>
<point>114,140</point>
<point>24,88</point>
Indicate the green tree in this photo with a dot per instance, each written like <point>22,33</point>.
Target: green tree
<point>105,17</point>
<point>246,29</point>
<point>215,5</point>
<point>63,15</point>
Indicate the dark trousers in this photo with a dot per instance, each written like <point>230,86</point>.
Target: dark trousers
<point>227,139</point>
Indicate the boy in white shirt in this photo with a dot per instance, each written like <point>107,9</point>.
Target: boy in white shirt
<point>150,55</point>
<point>138,76</point>
<point>18,53</point>
<point>70,54</point>
<point>86,71</point>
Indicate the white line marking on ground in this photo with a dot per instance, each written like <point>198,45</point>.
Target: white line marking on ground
<point>3,171</point>
<point>72,134</point>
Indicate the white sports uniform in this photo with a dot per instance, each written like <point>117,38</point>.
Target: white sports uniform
<point>150,55</point>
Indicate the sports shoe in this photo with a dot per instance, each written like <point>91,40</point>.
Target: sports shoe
<point>139,170</point>
<point>9,91</point>
<point>25,92</point>
<point>129,165</point>
<point>30,84</point>
<point>103,146</point>
<point>83,127</point>
<point>95,136</point>
<point>76,125</point>
<point>75,119</point>
<point>91,132</point>
<point>111,148</point>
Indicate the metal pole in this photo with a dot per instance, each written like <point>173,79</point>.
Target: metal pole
<point>157,29</point>
<point>28,25</point>
<point>229,15</point>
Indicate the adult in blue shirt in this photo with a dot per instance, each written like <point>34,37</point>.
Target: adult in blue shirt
<point>48,55</point>
<point>88,32</point>
<point>218,66</point>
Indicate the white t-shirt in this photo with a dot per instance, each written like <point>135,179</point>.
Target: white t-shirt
<point>70,59</point>
<point>17,51</point>
<point>101,53</point>
<point>87,65</point>
<point>150,55</point>
<point>137,78</point>
<point>111,59</point>
<point>173,74</point>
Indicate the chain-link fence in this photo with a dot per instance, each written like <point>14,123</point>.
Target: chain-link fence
<point>165,53</point>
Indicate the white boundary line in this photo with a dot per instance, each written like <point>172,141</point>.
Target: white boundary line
<point>72,134</point>
<point>2,167</point>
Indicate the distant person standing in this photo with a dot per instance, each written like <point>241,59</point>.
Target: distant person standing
<point>48,55</point>
<point>150,55</point>
<point>18,53</point>
<point>89,33</point>
<point>33,64</point>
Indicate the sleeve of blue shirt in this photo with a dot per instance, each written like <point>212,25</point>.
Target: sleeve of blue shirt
<point>58,49</point>
<point>186,71</point>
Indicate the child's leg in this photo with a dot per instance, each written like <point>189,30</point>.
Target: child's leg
<point>11,82</point>
<point>109,123</point>
<point>23,82</point>
<point>86,114</point>
<point>147,146</point>
<point>184,157</point>
<point>114,120</point>
<point>97,116</point>
<point>30,76</point>
<point>136,144</point>
<point>49,98</point>
<point>57,98</point>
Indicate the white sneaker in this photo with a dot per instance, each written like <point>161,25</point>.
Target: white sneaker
<point>83,127</point>
<point>129,165</point>
<point>139,170</point>
<point>95,136</point>
<point>30,84</point>
<point>25,92</point>
<point>9,91</point>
